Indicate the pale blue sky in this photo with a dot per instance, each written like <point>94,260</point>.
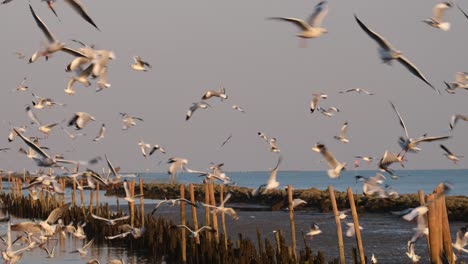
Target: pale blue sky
<point>199,45</point>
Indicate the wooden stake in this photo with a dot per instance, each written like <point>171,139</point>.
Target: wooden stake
<point>356,225</point>
<point>207,209</point>
<point>194,212</point>
<point>223,219</point>
<point>339,231</point>
<point>215,218</point>
<point>131,205</point>
<point>435,235</point>
<point>142,203</point>
<point>91,200</point>
<point>291,221</point>
<point>82,194</point>
<point>97,195</point>
<point>182,220</point>
<point>446,237</point>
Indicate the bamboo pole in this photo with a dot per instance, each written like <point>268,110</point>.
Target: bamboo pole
<point>74,194</point>
<point>339,231</point>
<point>91,200</point>
<point>98,187</point>
<point>446,237</point>
<point>207,209</point>
<point>215,218</point>
<point>434,230</point>
<point>422,202</point>
<point>194,212</point>
<point>291,221</point>
<point>82,194</point>
<point>182,220</point>
<point>142,203</point>
<point>131,205</point>
<point>356,225</point>
<point>223,219</point>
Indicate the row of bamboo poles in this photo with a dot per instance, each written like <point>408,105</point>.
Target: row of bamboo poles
<point>217,246</point>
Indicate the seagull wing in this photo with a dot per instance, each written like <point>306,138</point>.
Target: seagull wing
<point>384,44</point>
<point>412,68</point>
<point>57,213</point>
<point>461,10</point>
<point>42,26</point>
<point>430,139</point>
<point>320,11</point>
<point>35,147</point>
<point>78,7</point>
<point>438,11</point>
<point>344,129</point>
<point>274,171</point>
<point>100,218</point>
<point>401,120</point>
<point>228,196</point>
<point>298,22</point>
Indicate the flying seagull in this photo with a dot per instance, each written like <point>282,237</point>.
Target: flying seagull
<point>315,100</point>
<point>80,119</point>
<point>455,118</point>
<point>461,82</point>
<point>408,144</point>
<point>437,15</point>
<point>314,230</point>
<point>102,131</point>
<point>139,64</point>
<point>129,121</point>
<point>357,90</point>
<point>194,107</point>
<point>212,93</point>
<point>388,53</point>
<point>312,27</point>
<point>450,155</point>
<point>226,141</point>
<point>342,136</point>
<point>335,166</point>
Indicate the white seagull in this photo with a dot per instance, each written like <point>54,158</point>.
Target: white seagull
<point>342,136</point>
<point>450,155</point>
<point>335,166</point>
<point>388,53</point>
<point>437,16</point>
<point>80,119</point>
<point>194,107</point>
<point>195,234</point>
<point>221,209</point>
<point>110,221</point>
<point>102,131</point>
<point>455,118</point>
<point>139,64</point>
<point>312,28</point>
<point>238,108</point>
<point>212,93</point>
<point>315,100</point>
<point>357,90</point>
<point>314,230</point>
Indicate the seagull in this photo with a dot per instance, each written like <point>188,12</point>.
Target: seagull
<point>102,131</point>
<point>129,121</point>
<point>335,166</point>
<point>350,232</point>
<point>455,118</point>
<point>139,64</point>
<point>314,230</point>
<point>373,259</point>
<point>373,185</point>
<point>450,155</point>
<point>47,225</point>
<point>128,230</point>
<point>12,134</point>
<point>195,234</point>
<point>367,159</point>
<point>226,141</point>
<point>222,209</point>
<point>297,202</point>
<point>50,253</point>
<point>312,27</point>
<point>342,214</point>
<point>43,102</point>
<point>71,135</point>
<point>459,83</point>
<point>315,100</point>
<point>80,119</point>
<point>81,78</point>
<point>110,221</point>
<point>388,159</point>
<point>21,87</point>
<point>212,93</point>
<point>461,240</point>
<point>46,160</point>
<point>84,250</point>
<point>176,164</point>
<point>238,108</point>
<point>128,197</point>
<point>270,141</point>
<point>172,202</point>
<point>437,14</point>
<point>342,136</point>
<point>272,182</point>
<point>330,111</point>
<point>53,46</point>
<point>357,90</point>
<point>408,144</point>
<point>388,53</point>
<point>194,107</point>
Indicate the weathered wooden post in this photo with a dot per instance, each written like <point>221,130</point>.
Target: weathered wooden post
<point>291,221</point>
<point>142,202</point>
<point>182,220</point>
<point>194,212</point>
<point>223,219</point>
<point>215,218</point>
<point>356,225</point>
<point>435,234</point>
<point>339,231</point>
